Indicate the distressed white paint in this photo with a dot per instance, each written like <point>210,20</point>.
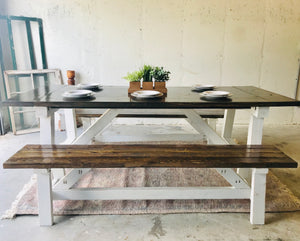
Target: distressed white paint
<point>152,193</point>
<point>256,124</point>
<point>240,191</point>
<point>258,196</point>
<point>45,203</point>
<point>201,126</point>
<point>46,118</point>
<point>71,125</point>
<point>71,178</point>
<point>228,123</point>
<point>255,134</point>
<point>100,124</point>
<point>233,178</point>
<point>221,42</point>
<point>47,133</point>
<point>83,112</point>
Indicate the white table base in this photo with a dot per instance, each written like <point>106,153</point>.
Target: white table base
<point>240,187</point>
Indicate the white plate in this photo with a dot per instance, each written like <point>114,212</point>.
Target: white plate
<point>146,93</point>
<point>77,94</point>
<point>203,87</point>
<point>136,95</point>
<point>89,86</point>
<point>215,94</point>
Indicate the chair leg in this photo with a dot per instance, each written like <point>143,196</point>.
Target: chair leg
<point>45,197</point>
<point>258,196</point>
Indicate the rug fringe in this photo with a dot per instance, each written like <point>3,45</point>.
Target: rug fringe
<point>12,212</point>
<point>294,198</point>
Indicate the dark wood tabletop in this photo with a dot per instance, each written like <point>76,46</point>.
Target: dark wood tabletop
<point>177,97</point>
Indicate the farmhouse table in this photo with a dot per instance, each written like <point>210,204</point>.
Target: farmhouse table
<point>48,99</point>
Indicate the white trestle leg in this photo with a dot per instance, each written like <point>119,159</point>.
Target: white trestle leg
<point>47,129</point>
<point>86,122</point>
<point>202,127</point>
<point>85,138</point>
<point>228,123</point>
<point>71,125</point>
<point>212,123</point>
<point>47,133</point>
<point>100,124</point>
<point>71,178</point>
<point>45,197</point>
<point>258,196</point>
<point>255,134</point>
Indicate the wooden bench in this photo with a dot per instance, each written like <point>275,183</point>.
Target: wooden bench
<point>221,157</point>
<point>166,113</point>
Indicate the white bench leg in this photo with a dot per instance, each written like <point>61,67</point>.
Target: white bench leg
<point>258,196</point>
<point>45,197</point>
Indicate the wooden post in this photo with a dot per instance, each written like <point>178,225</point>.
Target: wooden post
<point>71,125</point>
<point>228,123</point>
<point>255,134</point>
<point>46,118</point>
<point>258,196</point>
<point>45,197</point>
<point>47,133</point>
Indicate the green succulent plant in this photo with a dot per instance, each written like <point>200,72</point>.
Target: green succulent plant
<point>147,76</point>
<point>147,72</point>
<point>160,75</point>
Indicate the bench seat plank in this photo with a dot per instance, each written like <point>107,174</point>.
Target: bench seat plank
<point>206,113</point>
<point>149,155</point>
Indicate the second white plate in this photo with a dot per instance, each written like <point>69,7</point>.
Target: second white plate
<point>77,94</point>
<point>215,94</point>
<point>147,94</point>
<point>203,87</point>
<point>89,86</point>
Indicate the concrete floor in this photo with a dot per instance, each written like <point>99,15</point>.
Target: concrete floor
<point>198,226</point>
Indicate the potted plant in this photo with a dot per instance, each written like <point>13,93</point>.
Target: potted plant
<point>134,79</point>
<point>160,76</point>
<point>148,73</point>
<point>147,77</point>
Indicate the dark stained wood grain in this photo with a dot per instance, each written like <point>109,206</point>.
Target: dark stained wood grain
<point>211,114</point>
<point>146,155</point>
<point>204,113</point>
<point>178,97</point>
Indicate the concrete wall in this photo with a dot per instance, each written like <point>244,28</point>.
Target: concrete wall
<point>221,42</point>
<point>3,6</point>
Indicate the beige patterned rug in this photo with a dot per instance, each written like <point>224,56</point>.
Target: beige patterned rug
<point>278,199</point>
